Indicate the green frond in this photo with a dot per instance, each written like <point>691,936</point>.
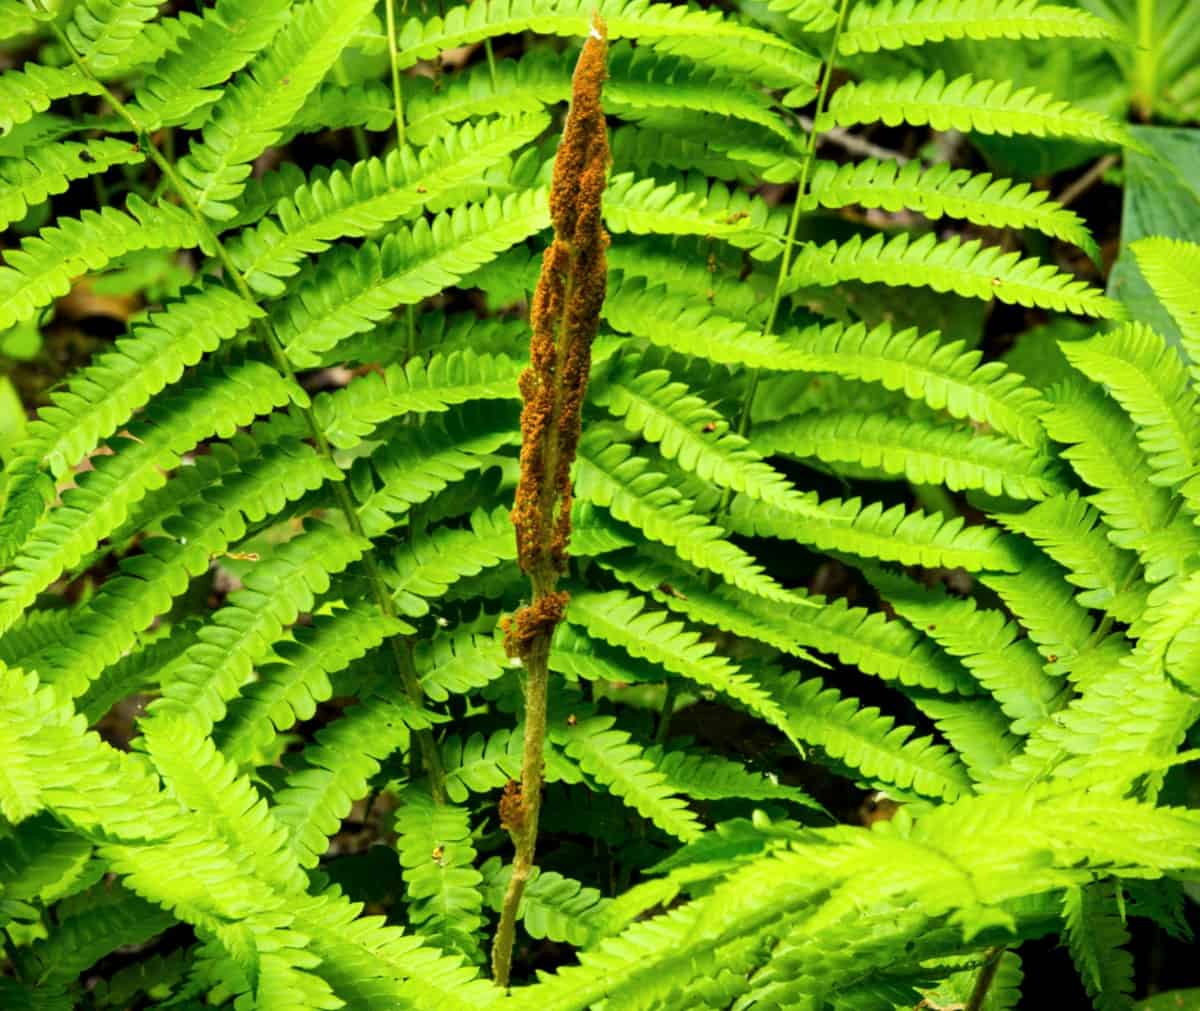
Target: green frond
<point>424,568</point>
<point>611,475</point>
<point>1103,449</point>
<point>137,671</point>
<point>40,861</point>
<point>969,269</point>
<point>1096,936</point>
<point>183,82</point>
<point>102,30</point>
<point>99,503</point>
<point>254,109</point>
<point>704,35</point>
<point>888,648</point>
<point>424,385</point>
<point>50,169</point>
<point>943,191</point>
<point>989,645</point>
<point>976,728</point>
<point>1148,379</point>
<point>350,201</point>
<point>651,404</point>
<point>337,770</point>
<point>109,623</point>
<point>457,661</point>
<point>288,689</point>
<point>43,268</point>
<point>199,778</point>
<point>28,91</point>
<point>330,106</point>
<point>479,764</point>
<point>278,588</point>
<point>702,776</point>
<point>553,907</point>
<point>813,15</point>
<point>1070,531</point>
<point>352,289</point>
<point>895,24</point>
<point>417,463</point>
<point>623,619</point>
<point>867,741</point>
<point>16,19</point>
<point>893,534</point>
<point>921,451</point>
<point>966,104</point>
<point>609,756</point>
<point>1173,269</point>
<point>646,150</point>
<point>444,888</point>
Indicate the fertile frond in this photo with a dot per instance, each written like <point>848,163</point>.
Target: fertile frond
<point>969,269</point>
<point>894,24</point>
<point>966,104</point>
<point>943,191</point>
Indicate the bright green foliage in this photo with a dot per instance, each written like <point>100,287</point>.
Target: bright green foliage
<point>258,729</point>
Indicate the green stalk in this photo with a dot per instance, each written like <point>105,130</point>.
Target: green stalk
<point>403,670</point>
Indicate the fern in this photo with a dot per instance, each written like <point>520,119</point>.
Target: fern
<point>266,682</point>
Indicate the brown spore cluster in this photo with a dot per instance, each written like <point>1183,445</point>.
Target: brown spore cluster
<point>564,318</point>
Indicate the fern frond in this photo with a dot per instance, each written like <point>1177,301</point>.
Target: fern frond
<point>895,534</point>
<point>609,756</point>
<point>969,269</point>
<point>942,191</point>
<point>923,452</point>
<point>40,861</point>
<point>98,505</point>
<point>49,169</point>
<point>989,645</point>
<point>430,563</point>
<point>1173,269</point>
<point>976,728</point>
<point>1069,530</point>
<point>416,464</point>
<point>867,741</point>
<point>288,689</point>
<point>895,24</point>
<point>102,30</point>
<point>337,769</point>
<point>355,288</point>
<point>552,906</point>
<point>1104,451</point>
<point>890,649</point>
<point>710,777</point>
<point>458,661</point>
<point>444,887</point>
<point>704,35</point>
<point>478,764</point>
<point>182,83</point>
<point>966,104</point>
<point>1148,379</point>
<point>622,619</point>
<point>253,111</point>
<point>23,93</point>
<point>363,198</point>
<point>46,263</point>
<point>612,476</point>
<point>1096,935</point>
<point>687,430</point>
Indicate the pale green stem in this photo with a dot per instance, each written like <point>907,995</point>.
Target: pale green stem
<point>397,89</point>
<point>984,980</point>
<point>1145,67</point>
<point>407,676</point>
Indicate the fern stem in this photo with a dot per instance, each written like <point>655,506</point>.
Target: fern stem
<point>404,671</point>
<point>491,60</point>
<point>785,260</point>
<point>564,319</point>
<point>984,980</point>
<point>668,709</point>
<point>397,88</point>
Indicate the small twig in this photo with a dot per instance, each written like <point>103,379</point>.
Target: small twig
<point>853,143</point>
<point>1086,181</point>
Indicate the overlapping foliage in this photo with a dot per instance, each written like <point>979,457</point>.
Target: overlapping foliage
<point>323,418</point>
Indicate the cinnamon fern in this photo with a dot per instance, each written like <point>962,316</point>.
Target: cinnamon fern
<point>259,731</point>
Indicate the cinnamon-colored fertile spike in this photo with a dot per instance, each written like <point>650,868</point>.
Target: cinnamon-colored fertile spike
<point>564,318</point>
